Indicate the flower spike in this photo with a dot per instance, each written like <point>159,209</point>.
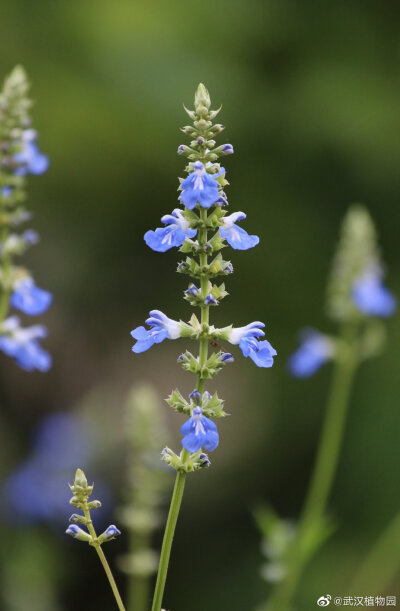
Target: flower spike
<point>201,231</point>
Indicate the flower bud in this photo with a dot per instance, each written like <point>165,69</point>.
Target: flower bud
<point>76,518</point>
<point>94,505</point>
<point>110,533</point>
<point>195,395</point>
<point>204,460</point>
<point>77,533</point>
<point>202,97</point>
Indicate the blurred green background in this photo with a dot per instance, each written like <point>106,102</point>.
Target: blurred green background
<point>311,98</point>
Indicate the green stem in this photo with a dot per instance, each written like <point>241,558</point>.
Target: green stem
<point>103,560</point>
<point>6,268</point>
<point>324,469</point>
<point>381,565</point>
<point>138,595</point>
<point>168,538</point>
<point>205,309</point>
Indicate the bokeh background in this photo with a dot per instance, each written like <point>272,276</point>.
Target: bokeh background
<point>311,98</point>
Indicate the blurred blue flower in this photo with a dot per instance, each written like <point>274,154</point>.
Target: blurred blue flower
<point>200,187</point>
<point>6,191</point>
<point>174,234</point>
<point>30,299</point>
<point>31,236</point>
<point>371,296</point>
<point>37,490</point>
<point>30,160</point>
<point>199,431</point>
<point>161,328</point>
<point>237,237</point>
<point>315,350</point>
<point>23,346</point>
<point>260,352</point>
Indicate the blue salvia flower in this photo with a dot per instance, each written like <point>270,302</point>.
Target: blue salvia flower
<point>315,350</point>
<point>174,234</point>
<point>161,328</point>
<point>199,431</point>
<point>371,296</point>
<point>260,352</point>
<point>237,237</point>
<point>30,299</point>
<point>30,160</point>
<point>23,346</point>
<point>200,187</point>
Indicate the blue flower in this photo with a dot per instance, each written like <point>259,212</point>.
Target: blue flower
<point>237,237</point>
<point>370,295</point>
<point>30,159</point>
<point>30,236</point>
<point>29,298</point>
<point>261,352</point>
<point>22,345</point>
<point>199,431</point>
<point>161,328</point>
<point>200,187</point>
<point>174,234</point>
<point>315,350</point>
<point>6,191</point>
<point>36,490</point>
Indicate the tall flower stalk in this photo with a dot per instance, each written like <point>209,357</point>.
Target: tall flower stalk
<point>19,156</point>
<point>357,298</point>
<point>200,229</point>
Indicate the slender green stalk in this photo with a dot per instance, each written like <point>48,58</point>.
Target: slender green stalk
<point>103,561</point>
<point>138,595</point>
<point>5,293</point>
<point>382,564</point>
<point>168,538</point>
<point>324,469</point>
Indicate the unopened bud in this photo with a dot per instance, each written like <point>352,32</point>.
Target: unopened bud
<point>77,533</point>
